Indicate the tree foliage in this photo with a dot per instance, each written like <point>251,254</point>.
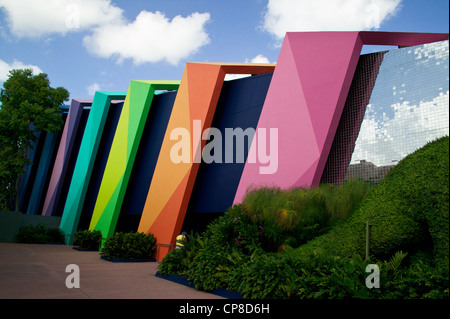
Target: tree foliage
<point>29,105</point>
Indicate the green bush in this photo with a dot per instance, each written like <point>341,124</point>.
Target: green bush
<point>39,234</point>
<point>296,216</point>
<point>88,239</point>
<point>407,211</point>
<point>258,277</point>
<point>410,205</point>
<point>178,260</point>
<point>131,245</point>
<point>202,268</point>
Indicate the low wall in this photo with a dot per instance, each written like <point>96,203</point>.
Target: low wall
<point>11,222</point>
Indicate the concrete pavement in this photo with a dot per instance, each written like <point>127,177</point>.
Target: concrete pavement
<point>39,271</point>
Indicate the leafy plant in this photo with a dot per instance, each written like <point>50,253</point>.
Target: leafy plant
<point>88,239</point>
<point>408,238</point>
<point>39,234</point>
<point>131,245</point>
<point>28,105</point>
<point>293,217</point>
<point>406,208</point>
<point>176,262</point>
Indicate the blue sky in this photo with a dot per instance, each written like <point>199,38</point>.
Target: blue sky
<point>88,45</point>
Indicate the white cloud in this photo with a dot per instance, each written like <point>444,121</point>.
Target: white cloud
<point>257,59</point>
<point>37,18</point>
<point>93,88</point>
<point>152,37</point>
<point>6,67</point>
<point>326,15</point>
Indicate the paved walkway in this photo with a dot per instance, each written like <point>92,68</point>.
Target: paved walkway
<point>38,271</point>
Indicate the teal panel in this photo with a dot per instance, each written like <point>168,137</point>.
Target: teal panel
<point>85,161</point>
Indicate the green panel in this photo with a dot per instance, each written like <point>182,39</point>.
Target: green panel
<point>123,152</point>
<point>85,161</point>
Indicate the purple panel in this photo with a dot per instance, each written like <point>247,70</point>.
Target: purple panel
<point>64,153</point>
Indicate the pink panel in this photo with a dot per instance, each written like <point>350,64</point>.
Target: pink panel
<point>304,101</point>
<point>306,98</point>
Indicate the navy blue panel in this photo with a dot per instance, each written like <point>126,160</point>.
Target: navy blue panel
<point>27,178</point>
<point>147,155</point>
<point>239,105</point>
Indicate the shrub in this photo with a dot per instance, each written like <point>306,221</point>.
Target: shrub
<point>202,268</point>
<point>88,239</point>
<point>55,235</point>
<point>39,234</point>
<point>296,216</point>
<point>131,245</point>
<point>177,261</point>
<point>259,277</point>
<point>410,205</point>
<point>407,211</point>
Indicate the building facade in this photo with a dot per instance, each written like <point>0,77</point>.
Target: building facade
<point>169,155</point>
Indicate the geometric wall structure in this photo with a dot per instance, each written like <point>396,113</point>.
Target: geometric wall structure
<point>239,107</point>
<point>123,152</point>
<point>30,199</point>
<point>306,99</point>
<point>43,169</point>
<point>27,178</point>
<point>85,160</point>
<point>101,159</point>
<point>64,155</point>
<point>409,107</point>
<point>192,113</point>
<point>331,112</point>
<point>352,116</point>
<point>145,161</point>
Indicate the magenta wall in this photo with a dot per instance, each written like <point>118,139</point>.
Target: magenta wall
<point>306,98</point>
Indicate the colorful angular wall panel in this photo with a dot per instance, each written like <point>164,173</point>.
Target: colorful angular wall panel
<point>123,152</point>
<point>43,168</point>
<point>306,98</point>
<point>193,111</point>
<point>41,174</point>
<point>60,167</point>
<point>85,160</point>
<point>351,119</point>
<point>101,159</point>
<point>238,108</point>
<point>134,160</point>
<point>27,178</point>
<point>145,161</point>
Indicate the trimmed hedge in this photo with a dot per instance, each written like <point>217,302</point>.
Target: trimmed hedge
<point>131,245</point>
<point>409,205</point>
<point>88,239</point>
<point>40,234</point>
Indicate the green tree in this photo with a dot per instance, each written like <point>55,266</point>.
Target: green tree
<point>28,105</point>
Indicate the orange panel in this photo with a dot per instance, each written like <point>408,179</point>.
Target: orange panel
<point>172,183</point>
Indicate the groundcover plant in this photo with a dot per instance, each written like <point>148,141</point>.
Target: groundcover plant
<point>310,243</point>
